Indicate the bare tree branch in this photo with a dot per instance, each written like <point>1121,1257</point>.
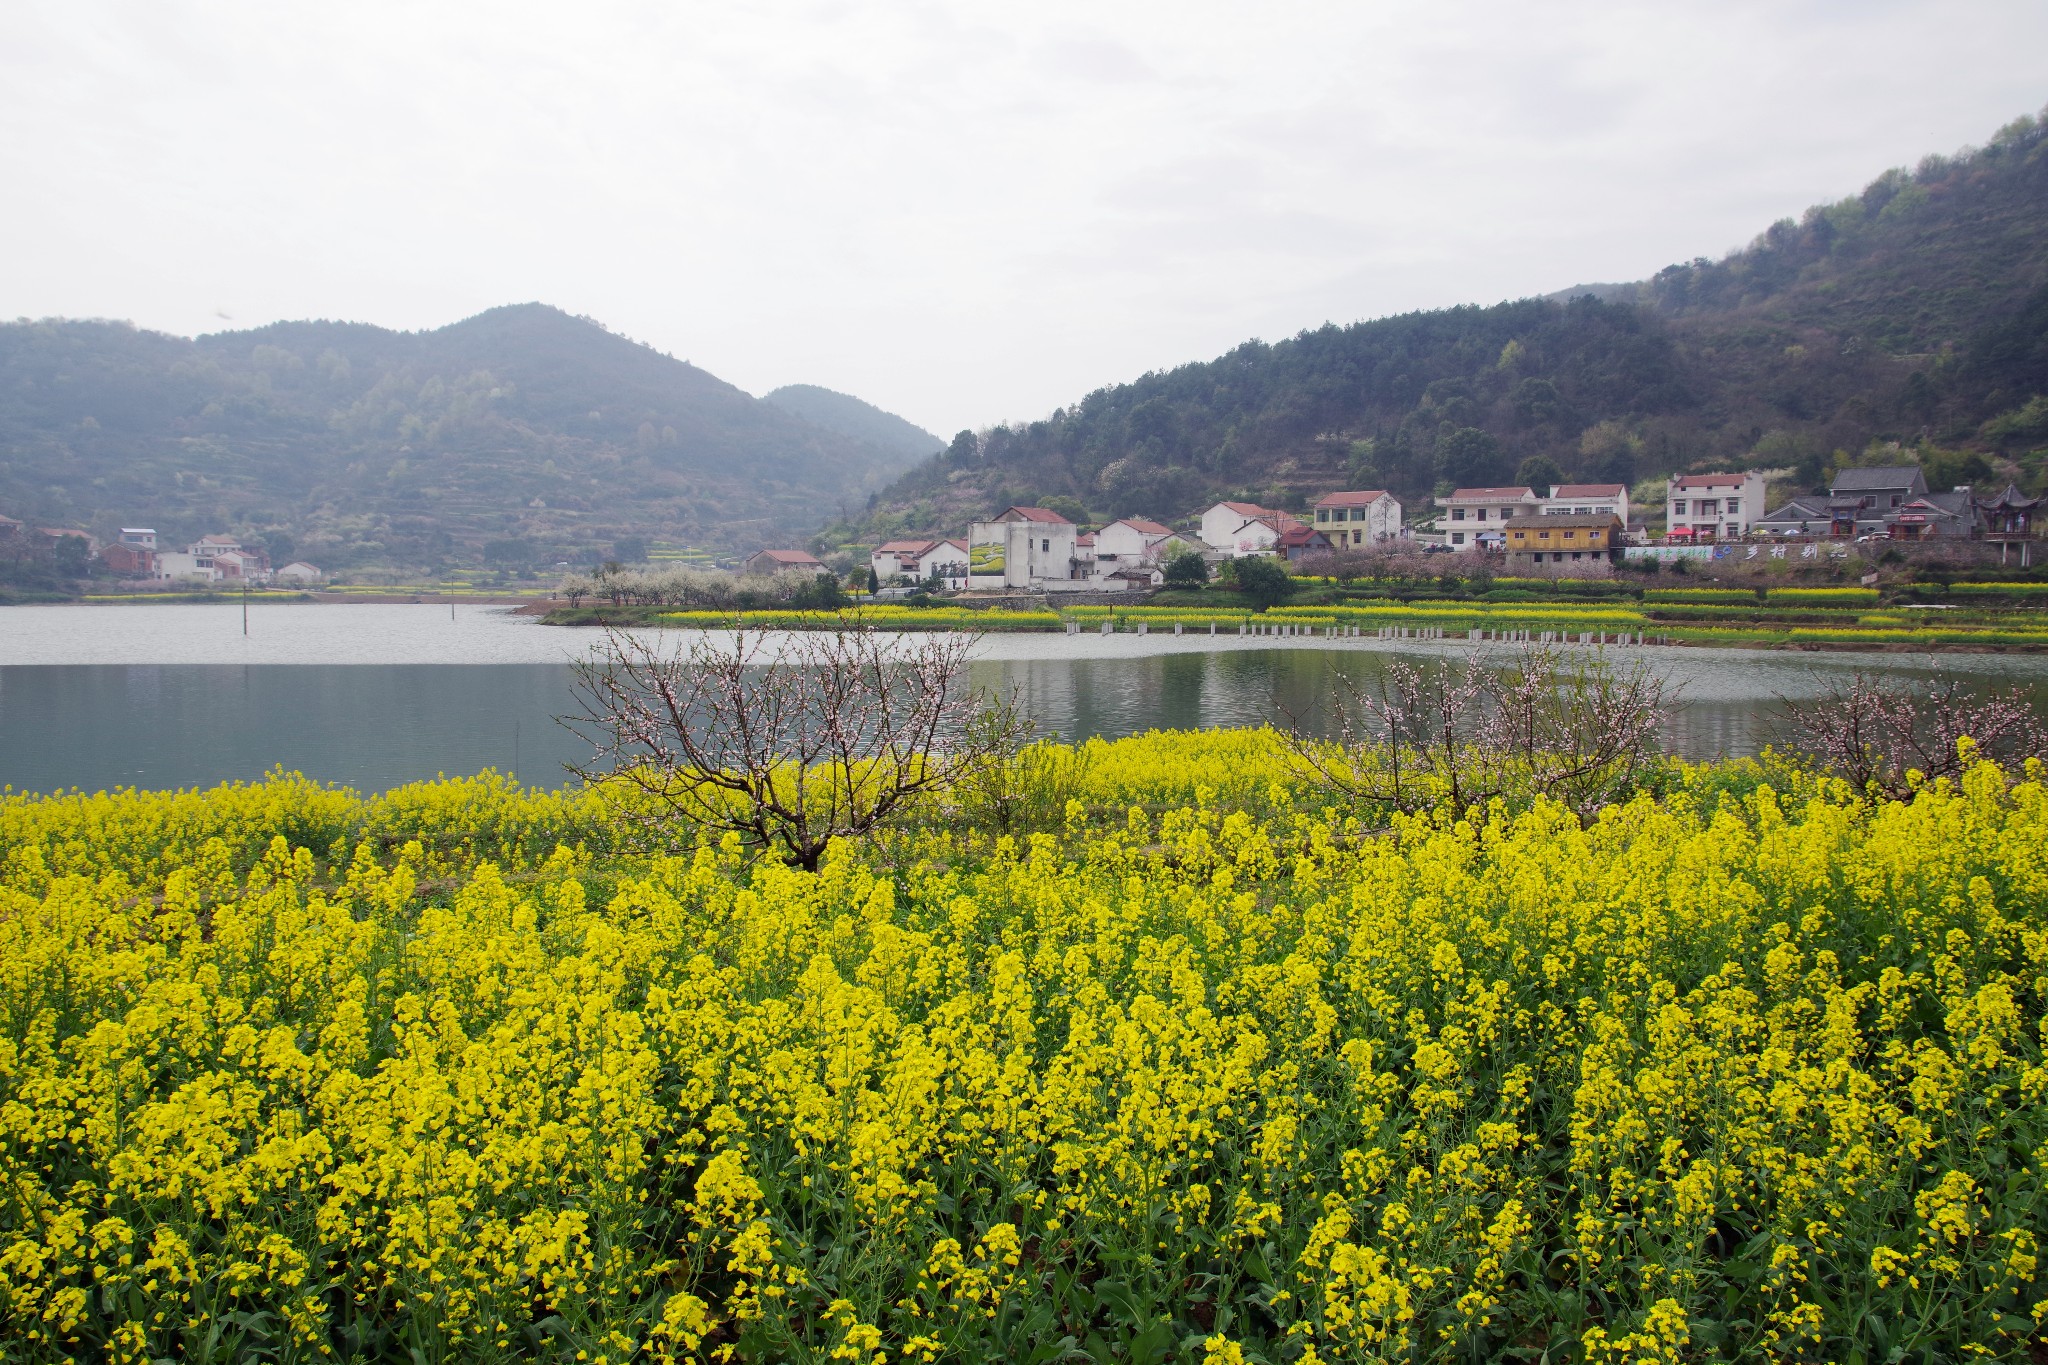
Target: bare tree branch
<point>826,737</point>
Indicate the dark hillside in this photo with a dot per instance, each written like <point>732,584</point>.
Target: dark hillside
<point>1914,312</point>
<point>519,436</point>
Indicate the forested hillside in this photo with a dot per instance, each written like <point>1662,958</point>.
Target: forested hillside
<point>849,416</point>
<point>1916,311</point>
<point>518,436</point>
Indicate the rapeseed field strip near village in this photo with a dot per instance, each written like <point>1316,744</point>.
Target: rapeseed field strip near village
<point>1207,1069</point>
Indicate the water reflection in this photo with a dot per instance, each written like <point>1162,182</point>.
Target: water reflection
<point>374,726</point>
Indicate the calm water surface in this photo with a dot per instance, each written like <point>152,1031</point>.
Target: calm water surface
<point>376,695</point>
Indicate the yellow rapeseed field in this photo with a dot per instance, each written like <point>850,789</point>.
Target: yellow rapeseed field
<point>1205,1072</point>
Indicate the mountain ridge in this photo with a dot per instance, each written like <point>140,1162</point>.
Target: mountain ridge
<point>1915,311</point>
<point>521,435</point>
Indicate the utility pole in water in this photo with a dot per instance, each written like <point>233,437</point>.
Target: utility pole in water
<point>245,606</point>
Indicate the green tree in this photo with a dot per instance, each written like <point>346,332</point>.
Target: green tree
<point>964,449</point>
<point>1186,569</point>
<point>1467,456</point>
<point>1263,579</point>
<point>1539,472</point>
<point>874,582</point>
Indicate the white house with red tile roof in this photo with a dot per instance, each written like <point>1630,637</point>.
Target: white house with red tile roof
<point>1587,500</point>
<point>781,561</point>
<point>1220,524</point>
<point>918,560</point>
<point>1025,547</point>
<point>1360,517</point>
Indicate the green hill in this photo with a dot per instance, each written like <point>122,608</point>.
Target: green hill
<point>1915,312</point>
<point>521,436</point>
<point>850,417</point>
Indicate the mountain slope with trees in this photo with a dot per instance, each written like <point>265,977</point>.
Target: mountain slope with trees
<point>860,421</point>
<point>520,436</point>
<point>1915,312</point>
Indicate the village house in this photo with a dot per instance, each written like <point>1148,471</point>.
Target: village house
<point>133,555</point>
<point>1861,501</point>
<point>919,561</point>
<point>781,561</point>
<point>1301,540</point>
<point>301,573</point>
<point>1362,517</point>
<point>10,529</point>
<point>1703,508</point>
<point>1801,516</point>
<point>1539,540</point>
<point>1952,515</point>
<point>1473,518</point>
<point>1134,551</point>
<point>1588,500</point>
<point>1220,523</point>
<point>1025,547</point>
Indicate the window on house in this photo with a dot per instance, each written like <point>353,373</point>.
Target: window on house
<point>1896,499</point>
<point>1322,514</point>
<point>1457,537</point>
<point>1543,535</point>
<point>1457,514</point>
<point>1358,537</point>
<point>1482,514</point>
<point>1045,545</point>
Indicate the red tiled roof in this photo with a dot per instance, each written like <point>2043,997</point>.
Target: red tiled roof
<point>1588,490</point>
<point>1033,514</point>
<point>1508,492</point>
<point>1363,497</point>
<point>1299,534</point>
<point>1150,528</point>
<point>789,556</point>
<point>1708,480</point>
<point>1247,510</point>
<point>905,547</point>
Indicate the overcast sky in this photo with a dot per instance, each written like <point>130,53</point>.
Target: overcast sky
<point>961,212</point>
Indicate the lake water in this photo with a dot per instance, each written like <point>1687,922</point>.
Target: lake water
<point>376,695</point>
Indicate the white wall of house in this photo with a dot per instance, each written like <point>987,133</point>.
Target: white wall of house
<point>1583,501</point>
<point>1220,523</point>
<point>1714,506</point>
<point>1351,527</point>
<point>948,560</point>
<point>176,564</point>
<point>1464,515</point>
<point>1021,554</point>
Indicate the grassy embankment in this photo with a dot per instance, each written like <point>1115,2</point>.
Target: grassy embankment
<point>1992,616</point>
<point>1184,1064</point>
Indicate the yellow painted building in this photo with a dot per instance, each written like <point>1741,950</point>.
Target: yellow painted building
<point>1545,540</point>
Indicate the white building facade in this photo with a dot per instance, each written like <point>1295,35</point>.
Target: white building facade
<point>1222,523</point>
<point>1701,508</point>
<point>1353,520</point>
<point>1588,500</point>
<point>1025,547</point>
<point>1473,518</point>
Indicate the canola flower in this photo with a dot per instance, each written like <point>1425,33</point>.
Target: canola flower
<point>1203,1070</point>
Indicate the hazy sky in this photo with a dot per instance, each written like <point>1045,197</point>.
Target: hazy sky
<point>961,212</point>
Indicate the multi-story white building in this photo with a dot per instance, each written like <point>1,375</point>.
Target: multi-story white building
<point>1025,547</point>
<point>1472,518</point>
<point>1707,507</point>
<point>1588,500</point>
<point>1369,516</point>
